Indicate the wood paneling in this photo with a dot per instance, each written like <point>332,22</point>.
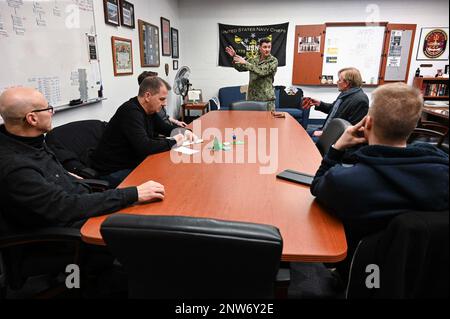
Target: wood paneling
<point>307,68</point>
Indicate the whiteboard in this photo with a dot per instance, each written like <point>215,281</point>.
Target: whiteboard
<point>45,44</point>
<point>354,46</point>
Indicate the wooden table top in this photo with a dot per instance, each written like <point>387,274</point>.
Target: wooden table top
<point>438,111</point>
<point>202,186</point>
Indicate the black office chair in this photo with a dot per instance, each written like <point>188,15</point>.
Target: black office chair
<point>184,257</point>
<point>248,106</point>
<point>72,144</point>
<point>412,255</point>
<point>425,135</point>
<point>29,255</point>
<point>45,252</point>
<point>435,126</point>
<point>331,134</point>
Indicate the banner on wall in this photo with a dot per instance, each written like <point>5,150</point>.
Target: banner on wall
<point>244,40</point>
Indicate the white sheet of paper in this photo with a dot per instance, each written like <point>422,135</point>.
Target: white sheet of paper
<point>185,150</point>
<point>187,143</point>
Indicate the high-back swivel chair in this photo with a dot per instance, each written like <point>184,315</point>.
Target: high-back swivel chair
<point>185,257</point>
<point>72,144</point>
<point>412,256</point>
<point>331,134</point>
<point>248,106</point>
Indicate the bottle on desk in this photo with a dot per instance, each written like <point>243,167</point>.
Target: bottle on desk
<point>418,72</point>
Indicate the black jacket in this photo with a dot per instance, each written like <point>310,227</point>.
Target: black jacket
<point>353,108</point>
<point>36,191</point>
<point>131,135</point>
<point>380,183</point>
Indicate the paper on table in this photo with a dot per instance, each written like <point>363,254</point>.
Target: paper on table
<point>185,150</point>
<point>187,143</point>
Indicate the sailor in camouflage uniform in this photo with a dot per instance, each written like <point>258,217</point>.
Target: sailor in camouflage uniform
<point>262,72</point>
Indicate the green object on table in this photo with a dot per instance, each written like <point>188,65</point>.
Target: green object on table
<point>217,146</point>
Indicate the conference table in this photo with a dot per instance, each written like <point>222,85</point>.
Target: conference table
<point>240,184</point>
<point>433,113</point>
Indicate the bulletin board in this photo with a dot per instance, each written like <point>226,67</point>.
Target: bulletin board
<point>382,52</point>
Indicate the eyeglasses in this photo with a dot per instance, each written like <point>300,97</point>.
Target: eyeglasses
<point>49,108</point>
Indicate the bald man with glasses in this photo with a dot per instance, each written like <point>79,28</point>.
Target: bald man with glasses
<point>35,190</point>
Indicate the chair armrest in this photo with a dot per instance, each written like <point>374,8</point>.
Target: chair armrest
<point>214,104</point>
<point>282,283</point>
<point>283,275</point>
<point>51,234</point>
<point>305,118</point>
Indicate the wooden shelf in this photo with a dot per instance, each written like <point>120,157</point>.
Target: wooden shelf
<point>423,85</point>
<point>432,79</point>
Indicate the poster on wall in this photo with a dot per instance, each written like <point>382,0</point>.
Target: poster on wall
<point>244,40</point>
<point>395,49</point>
<point>433,44</point>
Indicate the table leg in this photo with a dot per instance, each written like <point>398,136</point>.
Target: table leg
<point>182,114</point>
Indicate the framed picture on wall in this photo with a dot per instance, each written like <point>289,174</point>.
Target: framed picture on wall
<point>122,50</point>
<point>111,9</point>
<point>127,14</point>
<point>165,37</point>
<point>175,65</point>
<point>433,44</point>
<point>149,44</point>
<point>175,43</point>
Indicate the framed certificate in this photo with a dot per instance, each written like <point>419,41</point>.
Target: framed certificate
<point>122,56</point>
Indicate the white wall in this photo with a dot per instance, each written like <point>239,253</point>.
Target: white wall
<point>197,22</point>
<point>200,44</point>
<point>118,89</point>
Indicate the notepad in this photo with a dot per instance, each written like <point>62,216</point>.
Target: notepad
<point>185,150</point>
